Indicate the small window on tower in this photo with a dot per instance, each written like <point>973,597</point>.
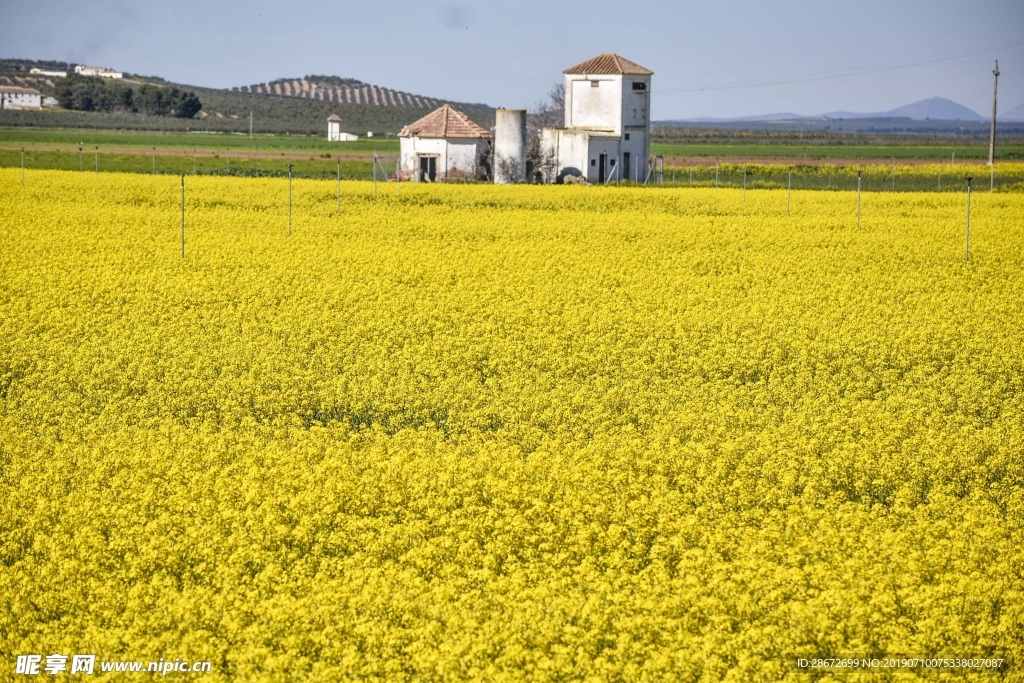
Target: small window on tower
<point>639,86</point>
<point>627,136</point>
<point>595,84</point>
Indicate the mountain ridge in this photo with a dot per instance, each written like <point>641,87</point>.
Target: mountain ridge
<point>341,90</point>
<point>1015,115</point>
<point>283,105</point>
<point>937,108</point>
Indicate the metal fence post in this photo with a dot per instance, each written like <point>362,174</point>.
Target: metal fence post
<point>789,192</point>
<point>182,215</point>
<point>967,234</point>
<point>858,198</point>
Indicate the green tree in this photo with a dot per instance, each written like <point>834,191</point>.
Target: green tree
<point>151,101</point>
<point>78,92</point>
<point>186,104</point>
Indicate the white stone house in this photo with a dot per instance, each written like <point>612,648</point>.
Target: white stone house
<point>20,98</point>
<point>100,71</point>
<point>607,133</point>
<point>445,144</point>
<point>334,133</point>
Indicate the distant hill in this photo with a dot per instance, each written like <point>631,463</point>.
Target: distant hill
<point>286,105</point>
<point>938,108</point>
<point>934,116</point>
<point>345,90</point>
<point>1015,115</point>
<point>932,108</point>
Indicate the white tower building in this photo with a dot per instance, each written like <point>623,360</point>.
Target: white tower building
<point>607,134</point>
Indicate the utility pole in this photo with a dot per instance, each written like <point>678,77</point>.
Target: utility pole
<point>992,135</point>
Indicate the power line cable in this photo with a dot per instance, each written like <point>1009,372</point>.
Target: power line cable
<point>843,73</point>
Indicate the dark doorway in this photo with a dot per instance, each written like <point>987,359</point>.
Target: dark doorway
<point>602,166</point>
<point>625,165</point>
<point>428,168</point>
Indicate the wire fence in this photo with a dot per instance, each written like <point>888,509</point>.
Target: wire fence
<point>872,178</point>
<point>933,177</point>
<point>198,162</point>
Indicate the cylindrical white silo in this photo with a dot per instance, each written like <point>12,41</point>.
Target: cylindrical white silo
<point>509,146</point>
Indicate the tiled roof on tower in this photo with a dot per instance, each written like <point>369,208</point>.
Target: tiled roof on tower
<point>609,63</point>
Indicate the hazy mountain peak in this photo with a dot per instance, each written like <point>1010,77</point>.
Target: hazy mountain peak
<point>936,108</point>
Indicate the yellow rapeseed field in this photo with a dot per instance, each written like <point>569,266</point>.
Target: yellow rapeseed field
<point>476,433</point>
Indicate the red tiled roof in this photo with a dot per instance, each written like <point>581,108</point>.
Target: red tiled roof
<point>609,63</point>
<point>16,90</point>
<point>334,117</point>
<point>445,122</point>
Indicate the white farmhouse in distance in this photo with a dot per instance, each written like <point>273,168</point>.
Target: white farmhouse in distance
<point>44,72</point>
<point>607,133</point>
<point>443,145</point>
<point>20,98</point>
<point>334,133</point>
<point>101,71</point>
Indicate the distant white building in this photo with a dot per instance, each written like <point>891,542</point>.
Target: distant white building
<point>20,98</point>
<point>443,145</point>
<point>43,72</point>
<point>101,71</point>
<point>607,133</point>
<point>334,133</point>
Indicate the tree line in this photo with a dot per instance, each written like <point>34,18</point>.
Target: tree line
<point>86,93</point>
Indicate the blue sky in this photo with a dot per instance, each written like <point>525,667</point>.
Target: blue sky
<point>710,59</point>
